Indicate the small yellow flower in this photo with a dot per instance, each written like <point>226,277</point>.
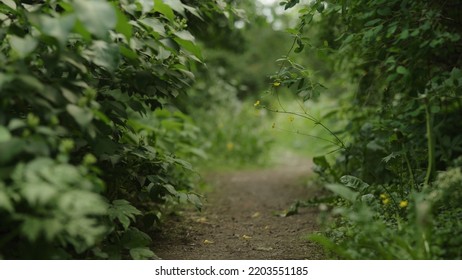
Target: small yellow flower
<point>276,84</point>
<point>230,146</point>
<point>383,196</point>
<point>403,204</point>
<point>256,103</point>
<point>385,201</point>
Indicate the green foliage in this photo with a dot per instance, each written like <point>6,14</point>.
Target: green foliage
<point>221,101</point>
<point>81,173</point>
<point>231,129</point>
<point>402,126</point>
<point>374,225</point>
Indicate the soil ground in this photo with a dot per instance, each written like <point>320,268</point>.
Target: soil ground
<point>238,220</point>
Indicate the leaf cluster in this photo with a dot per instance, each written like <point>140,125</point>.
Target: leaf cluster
<point>87,156</point>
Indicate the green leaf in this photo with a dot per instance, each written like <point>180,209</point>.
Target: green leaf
<point>85,232</point>
<point>39,193</point>
<point>404,34</point>
<point>194,200</point>
<point>52,227</point>
<point>31,228</point>
<point>329,245</point>
<point>5,79</point>
<point>58,28</point>
<point>5,200</point>
<point>23,46</point>
<point>154,24</point>
<point>171,189</point>
<point>82,116</point>
<point>163,54</point>
<point>343,191</point>
<point>354,183</point>
<point>123,211</point>
<point>402,70</point>
<point>9,149</point>
<point>193,11</point>
<point>9,3</point>
<point>134,238</point>
<point>176,5</point>
<point>186,165</point>
<point>143,253</point>
<point>373,22</point>
<point>161,7</point>
<point>123,26</point>
<point>322,162</point>
<point>97,16</point>
<point>5,134</point>
<point>190,47</point>
<point>82,203</point>
<point>374,146</point>
<point>184,35</point>
<point>31,82</point>
<point>146,5</point>
<point>104,55</point>
<point>128,53</point>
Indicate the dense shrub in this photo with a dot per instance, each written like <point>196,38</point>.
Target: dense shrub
<point>403,123</point>
<point>85,167</point>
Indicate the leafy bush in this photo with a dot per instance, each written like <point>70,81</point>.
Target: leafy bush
<point>403,123</point>
<point>81,175</point>
<point>386,225</point>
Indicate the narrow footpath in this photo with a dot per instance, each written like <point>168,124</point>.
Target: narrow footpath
<point>239,218</point>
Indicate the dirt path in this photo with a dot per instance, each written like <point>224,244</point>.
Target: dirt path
<point>238,220</point>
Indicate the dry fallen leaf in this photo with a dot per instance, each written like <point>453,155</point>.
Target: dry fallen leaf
<point>266,249</point>
<point>256,215</point>
<point>208,241</point>
<point>246,237</point>
<point>202,220</point>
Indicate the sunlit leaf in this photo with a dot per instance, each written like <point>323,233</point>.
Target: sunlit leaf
<point>97,16</point>
<point>9,3</point>
<point>58,28</point>
<point>23,46</point>
<point>155,24</point>
<point>176,5</point>
<point>39,193</point>
<point>82,116</point>
<point>143,253</point>
<point>164,9</point>
<point>5,134</point>
<point>146,5</point>
<point>343,192</point>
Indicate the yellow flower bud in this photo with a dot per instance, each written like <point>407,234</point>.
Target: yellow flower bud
<point>230,146</point>
<point>403,204</point>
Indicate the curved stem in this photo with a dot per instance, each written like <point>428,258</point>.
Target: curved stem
<point>430,144</point>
